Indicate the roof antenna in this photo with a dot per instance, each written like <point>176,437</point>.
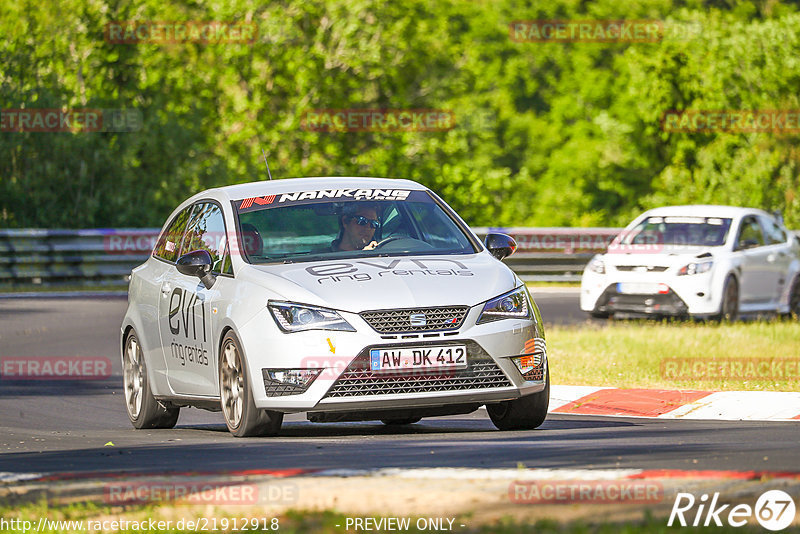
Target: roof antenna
<point>267,164</point>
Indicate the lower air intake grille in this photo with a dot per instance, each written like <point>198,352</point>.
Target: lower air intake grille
<point>358,380</point>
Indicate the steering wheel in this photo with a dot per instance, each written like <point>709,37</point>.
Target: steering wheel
<point>389,240</point>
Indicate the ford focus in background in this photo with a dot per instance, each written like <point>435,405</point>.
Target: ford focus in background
<point>700,261</point>
<point>347,298</point>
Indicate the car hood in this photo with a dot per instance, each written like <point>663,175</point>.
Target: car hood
<point>356,285</point>
<point>675,257</point>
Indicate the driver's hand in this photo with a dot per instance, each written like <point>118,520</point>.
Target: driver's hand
<point>371,246</point>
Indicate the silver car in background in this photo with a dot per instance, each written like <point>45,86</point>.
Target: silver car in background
<point>350,299</point>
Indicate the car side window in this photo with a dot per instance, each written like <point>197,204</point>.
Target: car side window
<point>773,232</point>
<point>206,231</point>
<point>168,245</point>
<point>750,234</point>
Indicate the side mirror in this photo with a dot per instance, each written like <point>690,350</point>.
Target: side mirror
<point>197,263</point>
<point>500,245</point>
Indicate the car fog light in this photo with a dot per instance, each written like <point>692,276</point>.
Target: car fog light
<point>300,378</point>
<point>530,366</point>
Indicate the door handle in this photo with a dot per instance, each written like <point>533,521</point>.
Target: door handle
<point>166,288</point>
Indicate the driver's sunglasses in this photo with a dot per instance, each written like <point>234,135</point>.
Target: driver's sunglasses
<point>363,221</point>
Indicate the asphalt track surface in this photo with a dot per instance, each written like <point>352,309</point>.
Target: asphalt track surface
<point>63,426</point>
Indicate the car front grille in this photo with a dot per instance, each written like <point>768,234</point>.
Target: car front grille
<point>424,319</point>
<point>642,268</point>
<point>358,380</point>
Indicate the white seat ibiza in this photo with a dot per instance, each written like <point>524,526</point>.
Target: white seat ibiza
<point>701,261</point>
<point>350,299</point>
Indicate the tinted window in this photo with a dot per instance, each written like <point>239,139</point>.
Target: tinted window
<point>750,234</point>
<point>168,245</point>
<point>691,231</point>
<point>206,231</point>
<point>325,225</point>
<point>773,232</point>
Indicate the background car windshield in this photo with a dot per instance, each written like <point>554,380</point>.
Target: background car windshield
<point>307,232</point>
<point>691,231</point>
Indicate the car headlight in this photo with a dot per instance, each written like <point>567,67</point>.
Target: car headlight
<point>298,317</point>
<point>597,266</point>
<point>512,305</point>
<point>696,268</point>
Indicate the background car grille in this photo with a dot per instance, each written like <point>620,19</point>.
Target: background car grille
<point>644,268</point>
<point>358,380</point>
<point>398,321</point>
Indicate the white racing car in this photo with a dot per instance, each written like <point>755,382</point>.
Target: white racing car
<point>348,298</point>
<point>700,261</point>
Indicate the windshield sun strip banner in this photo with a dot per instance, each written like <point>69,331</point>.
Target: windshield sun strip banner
<point>329,195</point>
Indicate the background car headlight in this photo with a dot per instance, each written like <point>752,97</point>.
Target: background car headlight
<point>696,268</point>
<point>512,305</point>
<point>597,266</point>
<point>298,317</point>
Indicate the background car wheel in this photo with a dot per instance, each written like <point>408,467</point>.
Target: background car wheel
<point>405,421</point>
<point>144,410</point>
<point>729,307</point>
<point>236,396</point>
<point>524,413</point>
<point>794,299</point>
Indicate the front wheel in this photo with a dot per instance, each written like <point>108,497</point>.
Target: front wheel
<point>524,413</point>
<point>794,299</point>
<point>729,307</point>
<point>144,410</point>
<point>236,396</point>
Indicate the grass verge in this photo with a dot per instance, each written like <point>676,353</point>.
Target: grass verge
<point>746,356</point>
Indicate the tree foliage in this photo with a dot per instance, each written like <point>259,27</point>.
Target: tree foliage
<point>546,134</point>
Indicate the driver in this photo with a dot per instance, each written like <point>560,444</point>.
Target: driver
<point>357,228</point>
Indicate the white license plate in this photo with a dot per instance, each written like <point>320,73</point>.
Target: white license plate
<point>416,358</point>
<point>641,288</point>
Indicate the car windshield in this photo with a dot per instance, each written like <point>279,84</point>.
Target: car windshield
<point>688,231</point>
<point>319,225</point>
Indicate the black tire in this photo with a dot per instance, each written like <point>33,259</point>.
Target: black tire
<point>600,315</point>
<point>404,421</point>
<point>143,409</point>
<point>794,299</point>
<point>524,413</point>
<point>729,307</point>
<point>236,396</point>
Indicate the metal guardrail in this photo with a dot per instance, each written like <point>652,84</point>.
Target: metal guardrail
<point>106,256</point>
<point>72,257</point>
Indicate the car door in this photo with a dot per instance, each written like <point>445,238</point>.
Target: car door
<point>757,282</point>
<point>186,307</point>
<point>779,258</point>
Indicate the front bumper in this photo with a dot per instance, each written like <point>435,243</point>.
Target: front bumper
<point>696,295</point>
<point>665,303</point>
<point>346,383</point>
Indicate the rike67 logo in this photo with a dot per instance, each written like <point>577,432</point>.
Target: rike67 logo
<point>774,510</point>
